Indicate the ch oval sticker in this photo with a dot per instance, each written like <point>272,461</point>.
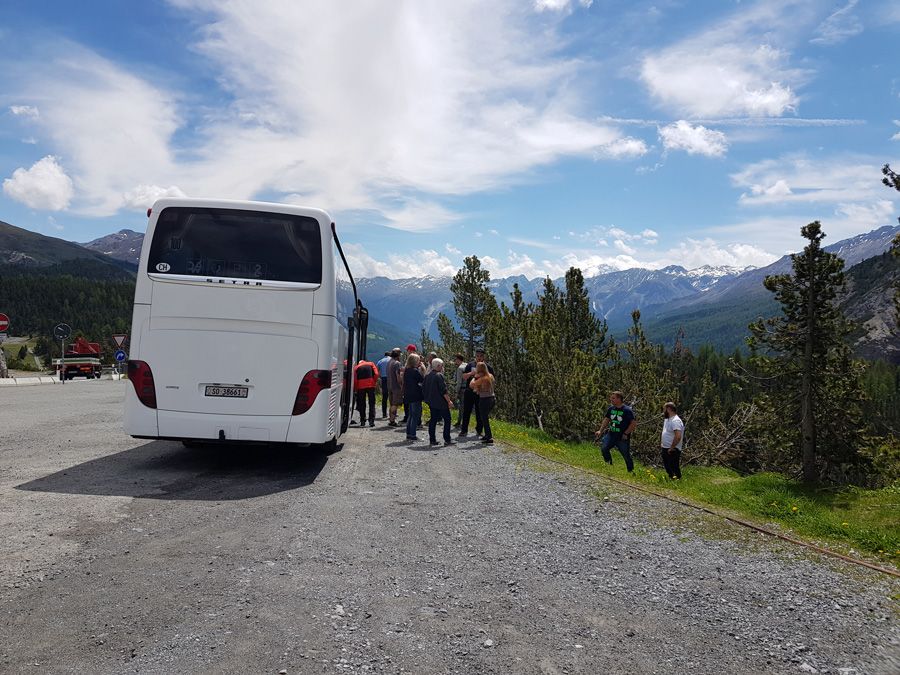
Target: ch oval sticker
<point>163,267</point>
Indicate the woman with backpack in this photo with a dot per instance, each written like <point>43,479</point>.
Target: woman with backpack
<point>483,386</point>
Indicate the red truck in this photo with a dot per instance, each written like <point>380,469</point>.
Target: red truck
<point>82,358</point>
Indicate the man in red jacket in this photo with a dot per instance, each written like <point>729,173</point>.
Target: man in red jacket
<point>366,374</point>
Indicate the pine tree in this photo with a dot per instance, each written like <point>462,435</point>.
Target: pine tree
<point>584,331</point>
<point>506,345</point>
<point>811,377</point>
<point>892,180</point>
<point>473,301</point>
<point>452,341</point>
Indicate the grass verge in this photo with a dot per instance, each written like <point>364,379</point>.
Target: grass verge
<point>865,520</point>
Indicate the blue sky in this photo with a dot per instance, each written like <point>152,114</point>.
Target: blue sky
<point>537,134</point>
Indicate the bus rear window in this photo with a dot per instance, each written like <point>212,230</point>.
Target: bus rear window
<point>237,244</point>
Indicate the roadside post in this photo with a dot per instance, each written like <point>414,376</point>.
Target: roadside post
<point>62,331</point>
<point>119,339</point>
<point>4,327</point>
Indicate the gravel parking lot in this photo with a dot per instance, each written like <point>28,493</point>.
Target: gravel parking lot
<point>122,555</point>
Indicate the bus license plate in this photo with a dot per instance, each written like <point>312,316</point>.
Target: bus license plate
<point>228,392</point>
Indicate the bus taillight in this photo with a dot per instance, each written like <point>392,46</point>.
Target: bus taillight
<point>312,383</point>
<point>141,378</point>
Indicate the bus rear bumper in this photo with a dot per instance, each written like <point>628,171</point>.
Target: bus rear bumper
<point>317,425</point>
<point>207,426</point>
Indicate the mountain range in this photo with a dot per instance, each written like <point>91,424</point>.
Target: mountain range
<point>708,304</point>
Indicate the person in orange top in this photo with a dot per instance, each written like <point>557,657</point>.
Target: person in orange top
<point>366,374</point>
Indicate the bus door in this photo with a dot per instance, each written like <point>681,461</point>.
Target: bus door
<point>347,397</point>
<point>362,328</point>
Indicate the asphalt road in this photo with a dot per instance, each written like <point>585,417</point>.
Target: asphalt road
<point>120,555</point>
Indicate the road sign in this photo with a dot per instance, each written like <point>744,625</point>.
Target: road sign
<point>61,331</point>
<point>121,355</point>
<point>119,339</point>
<point>4,324</point>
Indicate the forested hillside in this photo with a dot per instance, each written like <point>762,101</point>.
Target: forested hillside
<point>96,308</point>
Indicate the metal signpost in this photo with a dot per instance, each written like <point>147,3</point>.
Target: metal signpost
<point>61,331</point>
<point>4,326</point>
<point>120,340</point>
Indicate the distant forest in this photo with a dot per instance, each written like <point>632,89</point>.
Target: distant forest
<point>94,308</point>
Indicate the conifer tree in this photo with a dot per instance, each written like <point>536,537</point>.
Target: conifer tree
<point>473,301</point>
<point>892,180</point>
<point>506,345</point>
<point>812,381</point>
<point>452,341</point>
<point>583,330</point>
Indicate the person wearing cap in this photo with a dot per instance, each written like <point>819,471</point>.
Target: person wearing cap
<point>366,377</point>
<point>382,367</point>
<point>470,398</point>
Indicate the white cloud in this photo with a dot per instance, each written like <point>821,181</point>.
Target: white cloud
<point>44,186</point>
<point>896,137</point>
<point>452,250</point>
<point>733,67</point>
<point>647,236</point>
<point>113,128</point>
<point>517,263</point>
<point>622,148</point>
<point>559,5</point>
<point>419,216</point>
<point>801,179</point>
<point>839,26</point>
<point>693,253</point>
<point>143,196</point>
<point>25,111</point>
<point>415,264</point>
<point>383,104</point>
<point>693,139</point>
<point>870,216</point>
<point>625,248</point>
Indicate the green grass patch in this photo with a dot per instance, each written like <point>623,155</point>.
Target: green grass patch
<point>12,356</point>
<point>866,520</point>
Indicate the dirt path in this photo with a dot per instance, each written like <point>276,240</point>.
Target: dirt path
<point>130,556</point>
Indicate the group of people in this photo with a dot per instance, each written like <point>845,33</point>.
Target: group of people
<point>411,381</point>
<point>415,381</point>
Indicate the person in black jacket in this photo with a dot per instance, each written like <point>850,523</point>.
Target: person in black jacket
<point>412,395</point>
<point>434,389</point>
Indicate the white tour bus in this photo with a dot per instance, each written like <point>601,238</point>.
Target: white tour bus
<point>246,325</point>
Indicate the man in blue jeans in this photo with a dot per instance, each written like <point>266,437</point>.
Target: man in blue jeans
<point>434,389</point>
<point>616,429</point>
<point>382,366</point>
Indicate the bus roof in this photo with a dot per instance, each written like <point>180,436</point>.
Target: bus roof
<point>273,207</point>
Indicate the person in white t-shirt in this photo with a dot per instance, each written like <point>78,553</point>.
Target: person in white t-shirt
<point>672,441</point>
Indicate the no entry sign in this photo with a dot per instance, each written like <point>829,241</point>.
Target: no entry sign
<point>4,322</point>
